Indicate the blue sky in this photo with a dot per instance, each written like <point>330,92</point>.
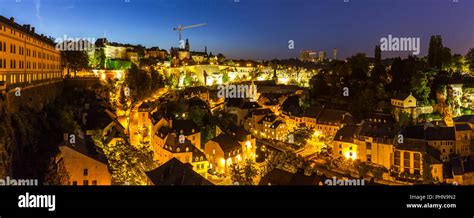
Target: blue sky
<point>254,29</point>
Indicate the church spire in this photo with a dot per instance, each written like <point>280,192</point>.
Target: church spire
<point>186,47</point>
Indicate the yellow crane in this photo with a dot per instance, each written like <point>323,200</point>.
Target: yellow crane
<point>181,28</point>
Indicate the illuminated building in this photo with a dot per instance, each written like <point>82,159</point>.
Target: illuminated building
<point>310,56</point>
<point>184,151</point>
<point>322,55</point>
<point>343,143</point>
<point>26,56</point>
<point>251,121</point>
<point>188,129</point>
<point>243,137</point>
<point>156,52</point>
<point>375,140</point>
<point>84,165</point>
<point>272,127</point>
<point>118,56</point>
<point>464,134</point>
<point>410,156</point>
<point>241,107</point>
<point>448,161</point>
<point>329,121</point>
<point>310,116</point>
<point>403,103</point>
<point>144,126</point>
<point>223,151</point>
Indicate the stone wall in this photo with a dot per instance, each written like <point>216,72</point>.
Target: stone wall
<point>33,96</point>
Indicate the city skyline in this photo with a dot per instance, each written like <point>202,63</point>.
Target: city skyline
<point>254,30</point>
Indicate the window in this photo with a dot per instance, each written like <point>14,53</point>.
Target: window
<point>94,182</point>
<point>406,160</point>
<point>86,172</point>
<point>417,163</point>
<point>86,182</point>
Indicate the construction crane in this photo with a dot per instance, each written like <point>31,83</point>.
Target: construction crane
<point>181,28</point>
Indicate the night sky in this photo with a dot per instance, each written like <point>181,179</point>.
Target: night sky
<point>254,29</point>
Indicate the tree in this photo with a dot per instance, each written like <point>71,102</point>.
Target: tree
<point>198,116</point>
<point>359,66</point>
<point>56,173</point>
<point>377,55</point>
<point>405,119</point>
<point>98,59</point>
<point>139,83</point>
<point>188,80</point>
<point>362,169</point>
<point>470,59</point>
<point>427,176</point>
<point>318,85</point>
<point>156,80</point>
<point>434,52</point>
<point>420,87</point>
<point>378,173</point>
<point>244,174</point>
<point>225,77</point>
<point>457,63</point>
<point>74,60</point>
<point>363,101</point>
<point>438,55</point>
<point>127,163</point>
<point>378,72</point>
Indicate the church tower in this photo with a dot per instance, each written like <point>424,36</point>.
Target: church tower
<point>186,47</point>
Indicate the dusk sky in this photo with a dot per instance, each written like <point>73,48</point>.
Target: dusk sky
<point>254,29</point>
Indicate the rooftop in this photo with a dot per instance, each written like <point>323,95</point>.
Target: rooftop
<point>27,29</point>
<point>346,133</point>
<point>186,127</point>
<point>174,172</point>
<point>227,142</point>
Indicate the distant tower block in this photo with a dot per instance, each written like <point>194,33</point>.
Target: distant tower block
<point>334,54</point>
<point>322,55</point>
